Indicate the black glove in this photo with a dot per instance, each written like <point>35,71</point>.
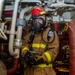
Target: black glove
<point>40,61</point>
<point>29,58</point>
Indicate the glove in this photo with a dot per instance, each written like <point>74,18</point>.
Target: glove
<point>29,58</point>
<point>39,60</point>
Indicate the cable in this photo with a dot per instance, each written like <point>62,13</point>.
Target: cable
<point>48,40</point>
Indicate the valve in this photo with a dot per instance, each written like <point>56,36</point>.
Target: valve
<point>18,43</point>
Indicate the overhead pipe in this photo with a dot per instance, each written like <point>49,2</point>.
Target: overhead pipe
<point>26,9</point>
<point>1,7</point>
<point>71,33</point>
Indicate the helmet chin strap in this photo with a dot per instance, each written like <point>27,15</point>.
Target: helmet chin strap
<point>31,38</point>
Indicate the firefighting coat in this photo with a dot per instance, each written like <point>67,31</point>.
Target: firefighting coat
<point>49,54</point>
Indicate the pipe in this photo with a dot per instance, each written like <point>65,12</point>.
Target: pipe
<point>34,1</point>
<point>71,33</point>
<point>19,30</point>
<point>2,35</point>
<point>24,11</point>
<point>19,34</point>
<point>1,7</point>
<point>12,31</point>
<point>14,68</point>
<point>11,40</point>
<point>28,17</point>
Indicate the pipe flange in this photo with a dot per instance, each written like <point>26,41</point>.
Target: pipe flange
<point>21,22</point>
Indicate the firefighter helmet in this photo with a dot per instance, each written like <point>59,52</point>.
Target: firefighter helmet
<point>38,10</point>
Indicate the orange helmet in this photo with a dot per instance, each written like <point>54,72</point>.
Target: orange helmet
<point>38,10</point>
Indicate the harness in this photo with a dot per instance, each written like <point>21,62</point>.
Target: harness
<point>49,35</point>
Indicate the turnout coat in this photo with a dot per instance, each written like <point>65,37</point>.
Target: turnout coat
<point>48,51</point>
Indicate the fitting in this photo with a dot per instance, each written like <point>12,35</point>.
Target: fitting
<point>21,22</point>
<point>18,43</point>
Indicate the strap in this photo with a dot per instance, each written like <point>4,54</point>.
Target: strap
<point>31,38</point>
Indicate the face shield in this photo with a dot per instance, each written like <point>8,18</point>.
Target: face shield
<point>39,23</point>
